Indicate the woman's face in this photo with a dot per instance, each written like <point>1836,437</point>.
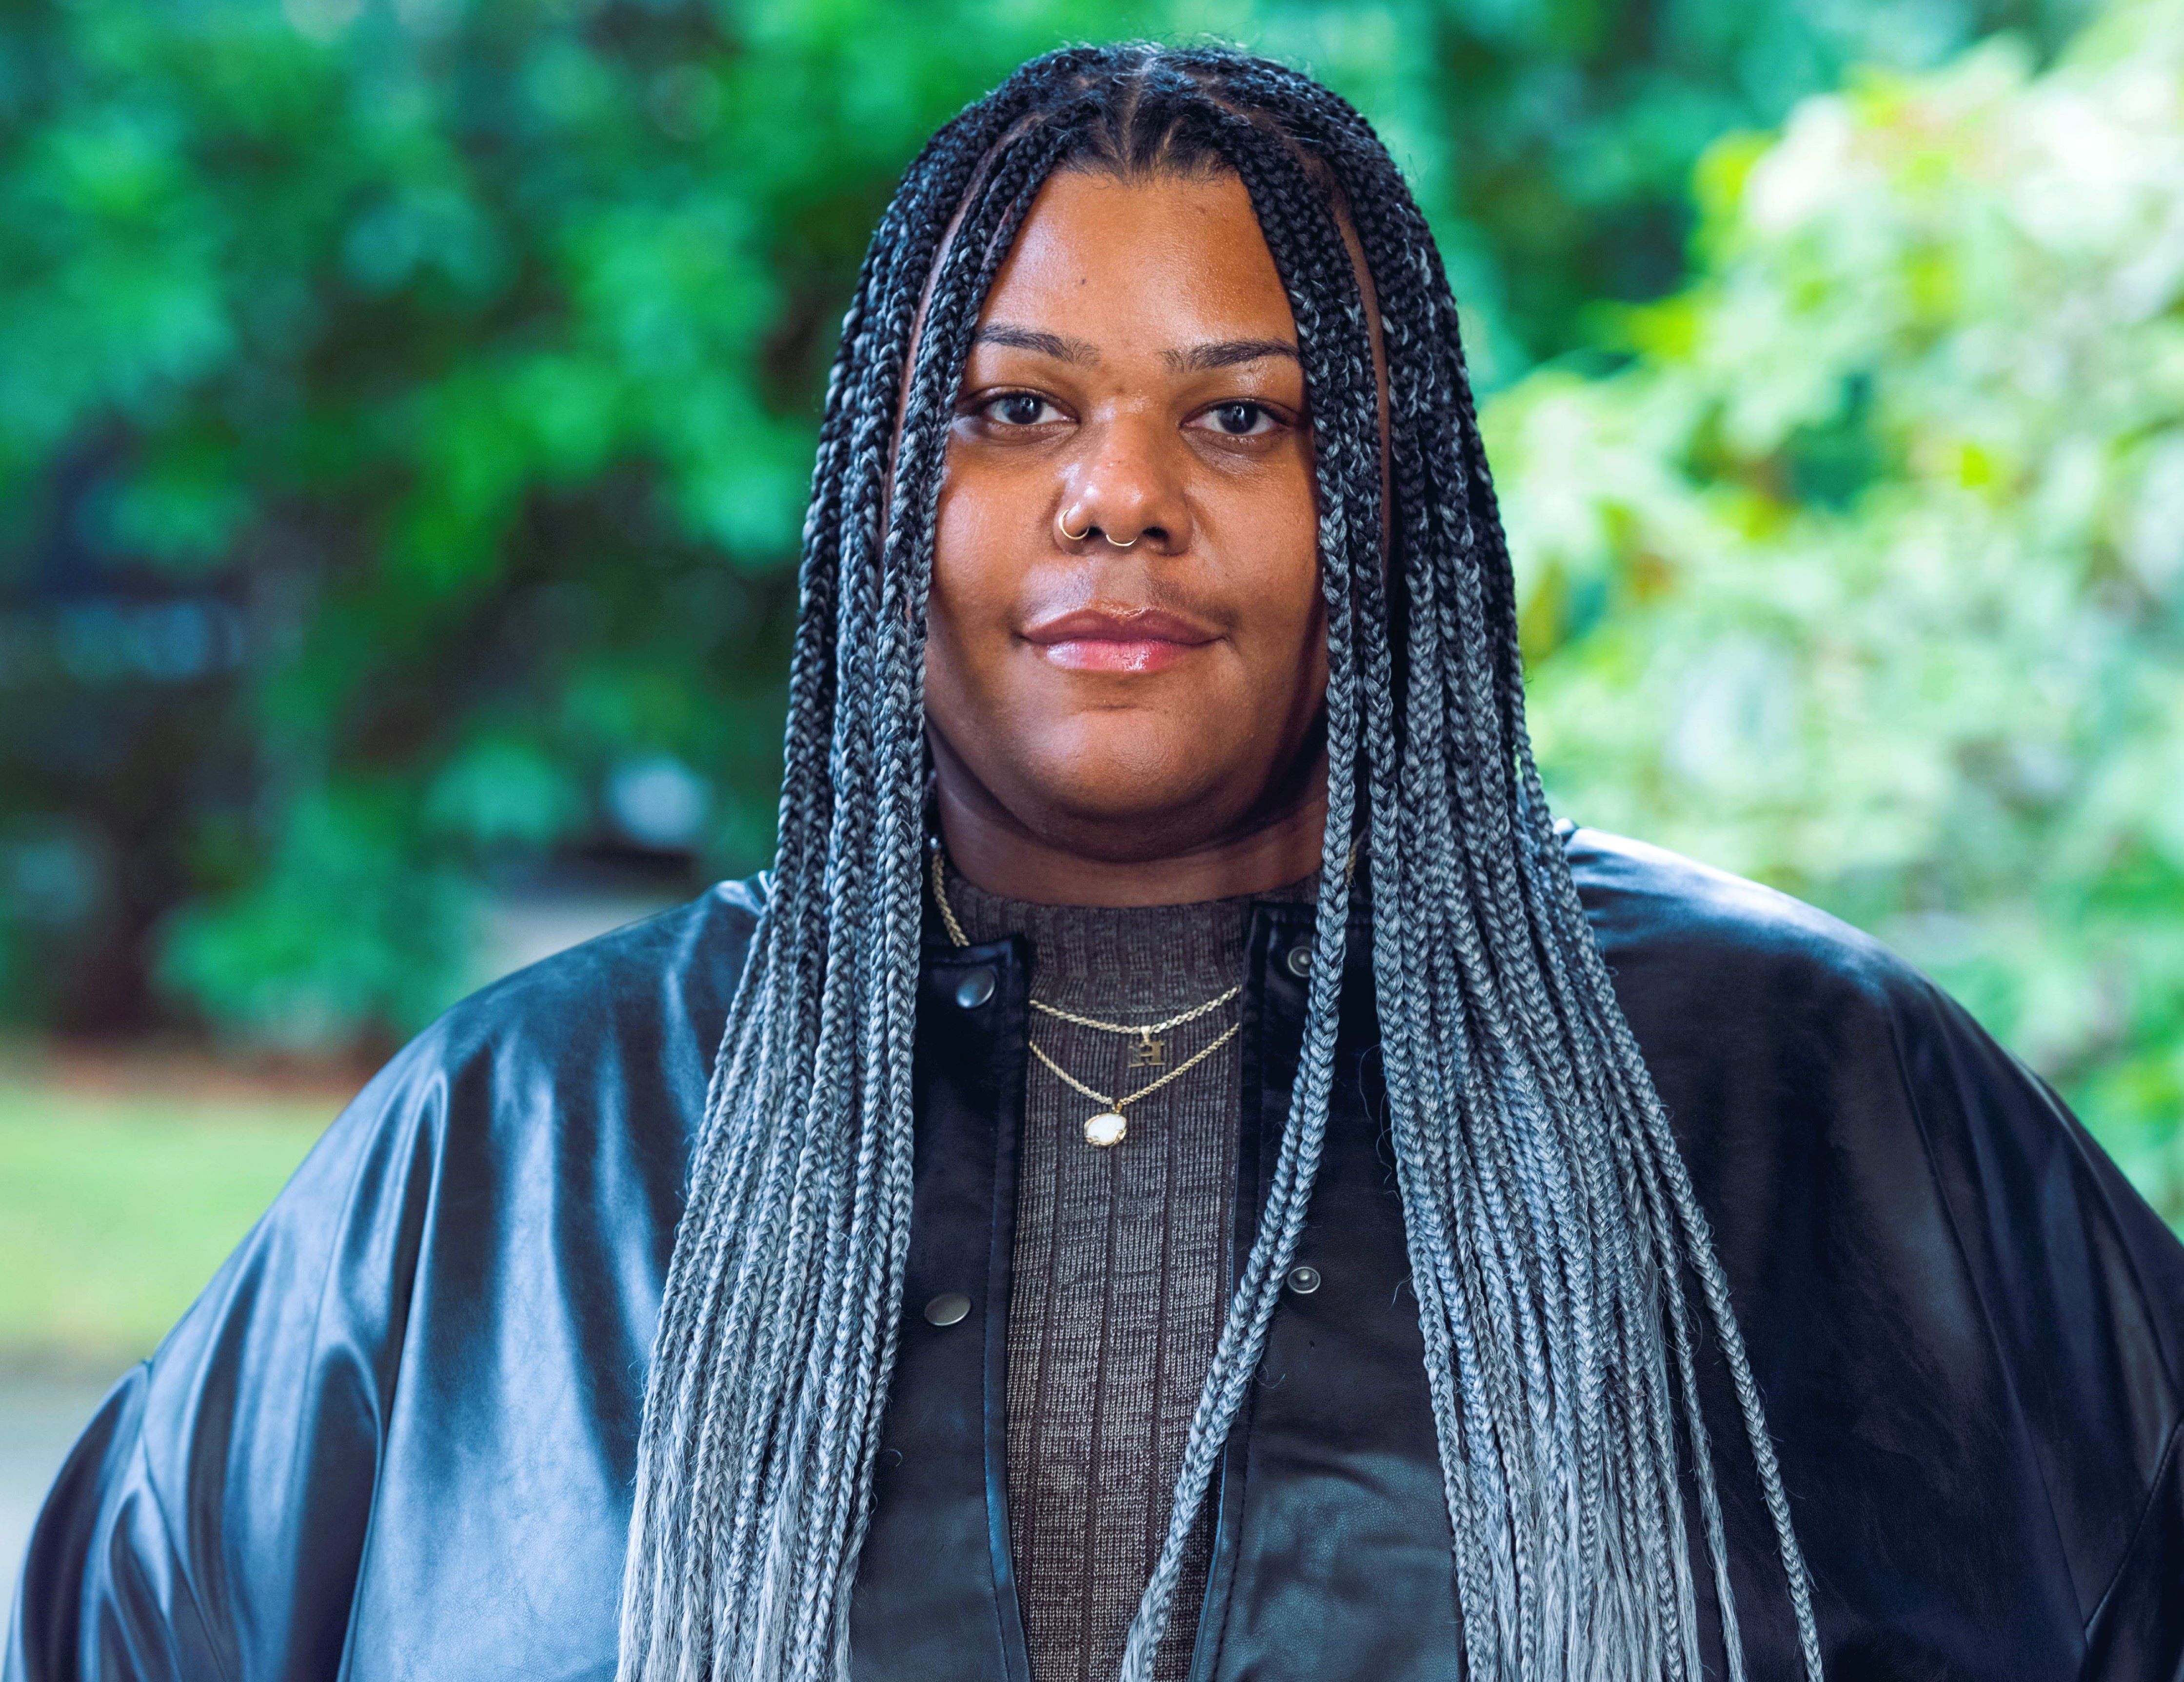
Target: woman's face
<point>1127,642</point>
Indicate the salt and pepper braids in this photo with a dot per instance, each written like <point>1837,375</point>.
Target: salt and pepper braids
<point>1550,1221</point>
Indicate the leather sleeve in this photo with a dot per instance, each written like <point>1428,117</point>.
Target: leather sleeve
<point>210,1520</point>
<point>1967,1326</point>
<point>2083,1288</point>
<point>2137,1634</point>
<point>426,1359</point>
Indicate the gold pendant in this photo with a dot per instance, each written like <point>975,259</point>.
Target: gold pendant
<point>1106,1129</point>
<point>1151,1053</point>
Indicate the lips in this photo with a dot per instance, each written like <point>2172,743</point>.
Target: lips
<point>1117,640</point>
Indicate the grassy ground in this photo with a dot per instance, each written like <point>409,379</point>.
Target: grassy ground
<point>116,1205</point>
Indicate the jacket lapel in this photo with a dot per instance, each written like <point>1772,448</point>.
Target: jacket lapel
<point>936,1594</point>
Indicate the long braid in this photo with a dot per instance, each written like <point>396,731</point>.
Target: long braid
<point>1332,336</point>
<point>1515,1213</point>
<point>1558,913</point>
<point>777,1322</point>
<point>1549,1220</point>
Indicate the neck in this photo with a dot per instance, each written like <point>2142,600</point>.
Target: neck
<point>1079,864</point>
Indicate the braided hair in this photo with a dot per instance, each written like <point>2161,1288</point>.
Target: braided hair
<point>1552,1225</point>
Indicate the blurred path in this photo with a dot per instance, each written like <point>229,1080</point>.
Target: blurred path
<point>39,1420</point>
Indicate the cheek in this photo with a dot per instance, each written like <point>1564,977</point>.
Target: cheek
<point>1273,537</point>
<point>967,616</point>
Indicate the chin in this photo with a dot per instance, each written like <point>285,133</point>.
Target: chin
<point>1126,800</point>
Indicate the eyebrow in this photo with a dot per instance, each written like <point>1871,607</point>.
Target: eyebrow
<point>1045,344</point>
<point>1225,353</point>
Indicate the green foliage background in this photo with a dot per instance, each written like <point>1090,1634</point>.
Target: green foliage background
<point>1867,576</point>
<point>405,412</point>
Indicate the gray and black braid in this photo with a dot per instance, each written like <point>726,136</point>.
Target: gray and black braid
<point>1550,1221</point>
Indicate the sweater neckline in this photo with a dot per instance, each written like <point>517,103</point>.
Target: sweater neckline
<point>1124,959</point>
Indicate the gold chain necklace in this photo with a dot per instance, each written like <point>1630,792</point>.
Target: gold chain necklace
<point>1109,1128</point>
<point>1151,1051</point>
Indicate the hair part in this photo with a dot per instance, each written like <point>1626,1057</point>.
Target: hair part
<point>1550,1219</point>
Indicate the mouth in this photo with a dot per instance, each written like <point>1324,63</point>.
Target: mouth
<point>1117,640</point>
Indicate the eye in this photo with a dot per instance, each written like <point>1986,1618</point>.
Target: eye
<point>1240,419</point>
<point>1019,409</point>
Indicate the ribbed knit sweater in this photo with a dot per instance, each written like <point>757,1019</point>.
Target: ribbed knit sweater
<point>1121,1262</point>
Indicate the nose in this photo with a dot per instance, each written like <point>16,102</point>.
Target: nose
<point>1124,489</point>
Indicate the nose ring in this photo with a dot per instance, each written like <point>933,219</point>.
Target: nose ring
<point>1078,537</point>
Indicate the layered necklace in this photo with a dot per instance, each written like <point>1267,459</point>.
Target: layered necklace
<point>1107,1126</point>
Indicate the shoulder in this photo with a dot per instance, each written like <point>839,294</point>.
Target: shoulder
<point>603,1051</point>
<point>616,1033</point>
<point>1907,1214</point>
<point>1702,930</point>
<point>681,964</point>
<point>515,1097</point>
<point>1722,978</point>
<point>568,1091</point>
<point>1757,1013</point>
<point>1775,1031</point>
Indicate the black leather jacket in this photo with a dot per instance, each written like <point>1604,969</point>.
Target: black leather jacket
<point>395,1437</point>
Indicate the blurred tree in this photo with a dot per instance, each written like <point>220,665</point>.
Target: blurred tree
<point>1866,577</point>
<point>406,406</point>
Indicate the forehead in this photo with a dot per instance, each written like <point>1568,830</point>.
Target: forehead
<point>1142,265</point>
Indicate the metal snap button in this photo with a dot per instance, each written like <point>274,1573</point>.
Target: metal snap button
<point>975,988</point>
<point>1303,1280</point>
<point>948,1308</point>
<point>1300,960</point>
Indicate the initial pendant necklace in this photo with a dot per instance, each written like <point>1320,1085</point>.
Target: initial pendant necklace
<point>1108,1126</point>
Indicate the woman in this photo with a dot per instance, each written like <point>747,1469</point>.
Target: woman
<point>1199,1175</point>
